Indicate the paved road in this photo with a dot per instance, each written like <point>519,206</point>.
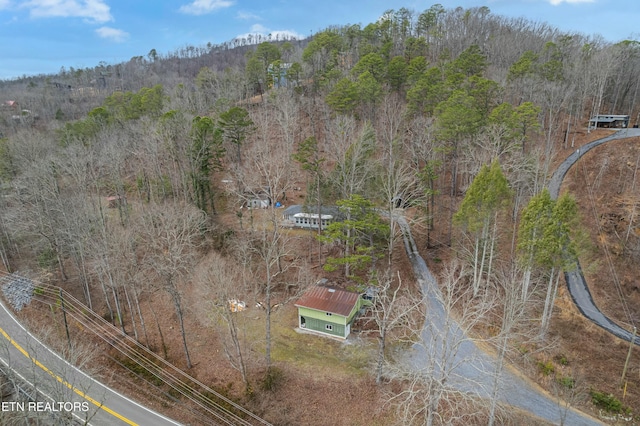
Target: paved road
<point>447,353</point>
<point>471,369</point>
<point>70,392</point>
<point>576,282</point>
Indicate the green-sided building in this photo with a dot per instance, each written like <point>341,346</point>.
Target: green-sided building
<point>328,310</point>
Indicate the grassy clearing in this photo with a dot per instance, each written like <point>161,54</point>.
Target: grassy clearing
<point>351,357</point>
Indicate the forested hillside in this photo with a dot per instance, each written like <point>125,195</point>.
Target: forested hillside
<point>130,186</point>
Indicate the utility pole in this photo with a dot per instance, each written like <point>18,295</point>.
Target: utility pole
<point>66,325</point>
<point>626,363</point>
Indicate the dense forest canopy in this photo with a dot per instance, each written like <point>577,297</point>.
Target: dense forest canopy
<point>457,113</point>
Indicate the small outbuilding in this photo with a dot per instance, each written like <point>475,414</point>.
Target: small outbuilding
<point>328,310</point>
<point>258,202</point>
<point>257,198</point>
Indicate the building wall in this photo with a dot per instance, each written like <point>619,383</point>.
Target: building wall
<point>317,321</point>
<point>320,325</point>
<point>257,203</point>
<point>355,309</point>
<point>311,223</point>
<point>322,316</point>
<point>610,121</point>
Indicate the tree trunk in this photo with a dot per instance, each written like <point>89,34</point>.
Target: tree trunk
<point>233,332</point>
<point>106,299</point>
<point>136,299</point>
<point>552,289</point>
<point>133,317</point>
<point>63,272</point>
<point>432,212</point>
<point>112,286</point>
<point>492,246</point>
<point>381,348</point>
<point>319,208</point>
<point>496,379</point>
<point>176,303</point>
<point>268,324</point>
<point>347,253</point>
<point>485,242</point>
<point>78,255</point>
<point>392,235</point>
<point>164,346</point>
<point>118,309</point>
<point>525,283</point>
<point>476,261</point>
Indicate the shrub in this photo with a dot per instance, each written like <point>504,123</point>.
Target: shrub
<point>566,382</point>
<point>562,360</point>
<point>546,368</point>
<point>272,379</point>
<point>140,371</point>
<point>47,258</point>
<point>606,401</point>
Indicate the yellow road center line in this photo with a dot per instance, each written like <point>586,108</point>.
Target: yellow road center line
<point>64,382</point>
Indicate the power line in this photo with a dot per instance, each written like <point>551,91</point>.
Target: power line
<point>607,252</point>
<point>214,403</point>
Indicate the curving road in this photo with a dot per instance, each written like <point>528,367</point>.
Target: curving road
<point>447,354</point>
<point>68,392</point>
<point>576,283</point>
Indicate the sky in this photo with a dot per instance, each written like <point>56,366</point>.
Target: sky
<point>42,36</point>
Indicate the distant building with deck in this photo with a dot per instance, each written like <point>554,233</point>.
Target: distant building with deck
<point>609,121</point>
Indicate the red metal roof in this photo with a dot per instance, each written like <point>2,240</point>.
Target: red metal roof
<point>329,299</point>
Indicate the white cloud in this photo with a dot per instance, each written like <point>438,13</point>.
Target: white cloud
<point>4,4</point>
<point>202,7</point>
<point>92,10</point>
<point>259,33</point>
<point>246,16</point>
<point>258,28</point>
<point>559,2</point>
<point>113,34</point>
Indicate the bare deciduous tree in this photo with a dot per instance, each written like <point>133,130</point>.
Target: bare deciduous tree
<point>218,284</point>
<point>514,322</point>
<point>173,233</point>
<point>270,247</point>
<point>570,390</point>
<point>440,379</point>
<point>350,148</point>
<point>395,312</point>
